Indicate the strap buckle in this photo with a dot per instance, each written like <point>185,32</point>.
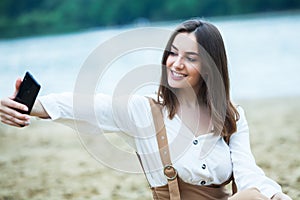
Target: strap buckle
<point>170,172</point>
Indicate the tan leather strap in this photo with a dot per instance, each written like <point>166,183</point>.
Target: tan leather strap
<point>162,141</point>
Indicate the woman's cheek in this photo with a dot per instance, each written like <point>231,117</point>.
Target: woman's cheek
<point>169,62</point>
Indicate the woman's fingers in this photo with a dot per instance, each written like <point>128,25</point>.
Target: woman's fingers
<point>8,104</point>
<point>22,121</point>
<point>14,122</point>
<point>10,110</point>
<point>10,116</point>
<point>18,120</point>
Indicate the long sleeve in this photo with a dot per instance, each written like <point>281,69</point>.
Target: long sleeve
<point>246,172</point>
<point>129,116</point>
<point>60,108</point>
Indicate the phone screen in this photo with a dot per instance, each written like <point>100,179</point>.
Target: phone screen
<point>28,92</point>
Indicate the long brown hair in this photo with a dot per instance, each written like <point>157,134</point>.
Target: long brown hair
<point>214,81</point>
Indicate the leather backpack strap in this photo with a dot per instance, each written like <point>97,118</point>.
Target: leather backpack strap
<point>162,141</point>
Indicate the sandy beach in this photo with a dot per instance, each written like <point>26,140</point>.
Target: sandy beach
<point>47,161</point>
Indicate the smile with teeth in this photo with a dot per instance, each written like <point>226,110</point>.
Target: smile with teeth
<point>178,75</point>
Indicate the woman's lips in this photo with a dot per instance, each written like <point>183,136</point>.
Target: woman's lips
<point>177,76</point>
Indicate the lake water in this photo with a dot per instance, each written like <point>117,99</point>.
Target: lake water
<point>263,54</point>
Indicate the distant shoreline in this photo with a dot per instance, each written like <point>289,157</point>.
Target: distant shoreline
<point>262,64</point>
<point>217,19</point>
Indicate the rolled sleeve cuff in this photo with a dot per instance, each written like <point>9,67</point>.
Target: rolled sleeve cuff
<point>51,107</point>
<point>271,191</point>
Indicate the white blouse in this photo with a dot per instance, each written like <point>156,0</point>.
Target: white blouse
<point>202,160</point>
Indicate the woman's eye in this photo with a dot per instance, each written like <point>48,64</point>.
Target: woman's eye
<point>191,59</point>
<point>172,53</point>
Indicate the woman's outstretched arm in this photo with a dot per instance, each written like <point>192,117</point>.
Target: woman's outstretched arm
<point>39,111</point>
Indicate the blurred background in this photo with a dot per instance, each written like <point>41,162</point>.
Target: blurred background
<point>53,38</point>
<point>32,17</point>
<point>42,36</point>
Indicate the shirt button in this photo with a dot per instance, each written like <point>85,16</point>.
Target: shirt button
<point>195,142</point>
<point>203,182</point>
<point>204,166</point>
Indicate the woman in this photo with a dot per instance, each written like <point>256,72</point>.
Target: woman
<point>198,140</point>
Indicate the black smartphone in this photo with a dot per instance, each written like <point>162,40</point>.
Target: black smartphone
<point>28,92</point>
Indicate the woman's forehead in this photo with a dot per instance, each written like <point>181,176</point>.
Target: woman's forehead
<point>186,42</point>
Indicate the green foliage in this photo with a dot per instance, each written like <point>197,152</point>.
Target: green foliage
<point>30,17</point>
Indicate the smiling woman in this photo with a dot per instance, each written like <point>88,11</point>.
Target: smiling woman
<point>193,123</point>
<point>183,63</point>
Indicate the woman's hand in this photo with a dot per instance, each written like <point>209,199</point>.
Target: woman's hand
<point>281,196</point>
<point>8,113</point>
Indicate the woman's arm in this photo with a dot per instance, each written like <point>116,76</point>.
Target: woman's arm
<point>39,111</point>
<point>246,172</point>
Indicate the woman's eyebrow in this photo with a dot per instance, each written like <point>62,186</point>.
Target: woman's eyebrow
<point>188,52</point>
<point>192,53</point>
<point>174,47</point>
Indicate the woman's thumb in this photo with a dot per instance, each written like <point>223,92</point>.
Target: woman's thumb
<point>17,86</point>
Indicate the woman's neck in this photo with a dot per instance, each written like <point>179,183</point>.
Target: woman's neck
<point>187,98</point>
<point>193,113</point>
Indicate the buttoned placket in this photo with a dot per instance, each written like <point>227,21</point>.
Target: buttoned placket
<point>196,144</point>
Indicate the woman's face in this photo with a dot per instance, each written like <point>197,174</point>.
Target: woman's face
<point>183,63</point>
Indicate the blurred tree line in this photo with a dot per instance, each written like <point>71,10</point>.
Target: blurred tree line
<point>31,17</point>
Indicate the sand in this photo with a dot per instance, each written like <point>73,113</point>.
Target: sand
<point>47,161</point>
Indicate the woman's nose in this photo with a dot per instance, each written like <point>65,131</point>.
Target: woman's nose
<point>179,64</point>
